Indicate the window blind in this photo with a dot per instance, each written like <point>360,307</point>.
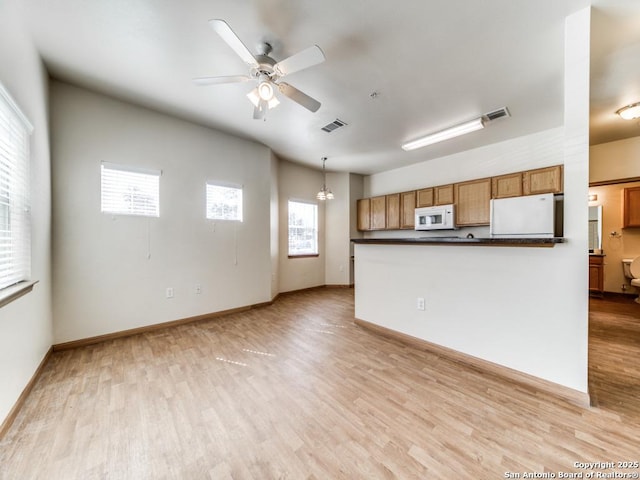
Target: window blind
<point>15,214</point>
<point>224,202</point>
<point>130,190</point>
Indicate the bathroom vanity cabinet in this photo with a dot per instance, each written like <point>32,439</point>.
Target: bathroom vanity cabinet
<point>596,274</point>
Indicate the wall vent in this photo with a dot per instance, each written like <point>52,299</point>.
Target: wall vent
<point>501,112</point>
<point>330,127</point>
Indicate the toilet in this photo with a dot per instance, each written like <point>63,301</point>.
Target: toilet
<point>631,267</point>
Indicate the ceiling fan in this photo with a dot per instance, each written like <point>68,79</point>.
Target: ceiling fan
<point>266,71</point>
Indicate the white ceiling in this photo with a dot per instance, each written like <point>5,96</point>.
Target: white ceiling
<point>433,63</point>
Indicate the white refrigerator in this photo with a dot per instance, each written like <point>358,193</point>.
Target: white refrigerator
<point>531,216</point>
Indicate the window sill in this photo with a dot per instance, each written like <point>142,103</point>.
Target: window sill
<point>14,292</point>
<point>307,255</point>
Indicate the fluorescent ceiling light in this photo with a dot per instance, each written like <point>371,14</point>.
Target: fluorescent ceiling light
<point>445,134</point>
<point>630,112</point>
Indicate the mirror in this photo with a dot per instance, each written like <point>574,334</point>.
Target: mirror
<point>595,229</point>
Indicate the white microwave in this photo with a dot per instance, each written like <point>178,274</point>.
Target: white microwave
<point>440,217</point>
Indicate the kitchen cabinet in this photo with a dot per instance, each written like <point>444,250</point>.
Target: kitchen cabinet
<point>393,211</point>
<point>378,213</point>
<point>505,186</point>
<point>542,180</point>
<point>407,209</point>
<point>631,207</point>
<point>424,197</point>
<point>396,211</point>
<point>472,202</point>
<point>443,195</point>
<point>596,274</point>
<point>364,214</point>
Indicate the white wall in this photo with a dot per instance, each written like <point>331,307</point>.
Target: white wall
<point>337,230</point>
<point>103,279</point>
<point>296,182</point>
<point>615,160</point>
<point>25,324</point>
<point>356,189</point>
<point>524,308</point>
<point>540,149</point>
<point>275,227</point>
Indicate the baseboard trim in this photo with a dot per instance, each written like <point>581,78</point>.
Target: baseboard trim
<point>156,326</point>
<point>13,413</point>
<point>198,318</point>
<point>560,391</point>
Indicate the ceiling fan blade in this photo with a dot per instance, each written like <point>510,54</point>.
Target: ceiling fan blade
<point>223,29</point>
<point>301,60</point>
<point>297,96</point>
<point>221,80</point>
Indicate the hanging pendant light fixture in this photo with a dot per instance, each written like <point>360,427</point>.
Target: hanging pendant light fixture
<point>324,193</point>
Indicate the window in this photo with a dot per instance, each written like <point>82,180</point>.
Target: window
<point>224,203</point>
<point>130,190</point>
<point>15,214</point>
<point>303,229</point>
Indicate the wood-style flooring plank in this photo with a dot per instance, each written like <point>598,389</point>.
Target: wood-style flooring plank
<point>296,390</point>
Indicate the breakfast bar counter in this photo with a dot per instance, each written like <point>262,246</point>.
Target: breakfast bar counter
<point>499,242</point>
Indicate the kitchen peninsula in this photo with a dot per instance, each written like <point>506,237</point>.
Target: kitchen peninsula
<point>469,241</point>
<point>433,293</point>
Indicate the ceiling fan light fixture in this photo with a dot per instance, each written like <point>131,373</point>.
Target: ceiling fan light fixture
<point>266,71</point>
<point>265,91</point>
<point>255,98</point>
<point>629,112</point>
<point>446,134</point>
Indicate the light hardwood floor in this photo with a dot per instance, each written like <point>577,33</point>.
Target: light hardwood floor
<point>297,391</point>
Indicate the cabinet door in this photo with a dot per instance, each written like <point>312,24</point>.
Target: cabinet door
<point>407,209</point>
<point>364,214</point>
<point>443,195</point>
<point>424,197</point>
<point>378,213</point>
<point>472,205</point>
<point>506,186</point>
<point>631,208</point>
<point>542,180</point>
<point>393,212</point>
<point>596,274</point>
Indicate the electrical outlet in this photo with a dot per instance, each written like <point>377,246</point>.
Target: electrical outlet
<point>198,289</point>
<point>420,303</point>
<point>169,292</point>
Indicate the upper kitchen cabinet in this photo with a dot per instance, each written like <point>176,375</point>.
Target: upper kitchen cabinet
<point>424,197</point>
<point>506,186</point>
<point>378,213</point>
<point>443,195</point>
<point>472,202</point>
<point>631,207</point>
<point>407,209</point>
<point>393,211</point>
<point>364,214</point>
<point>542,180</point>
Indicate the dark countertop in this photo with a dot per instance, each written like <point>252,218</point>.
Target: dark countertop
<point>505,242</point>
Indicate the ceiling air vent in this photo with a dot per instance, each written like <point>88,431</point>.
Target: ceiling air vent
<point>330,127</point>
<point>501,112</point>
